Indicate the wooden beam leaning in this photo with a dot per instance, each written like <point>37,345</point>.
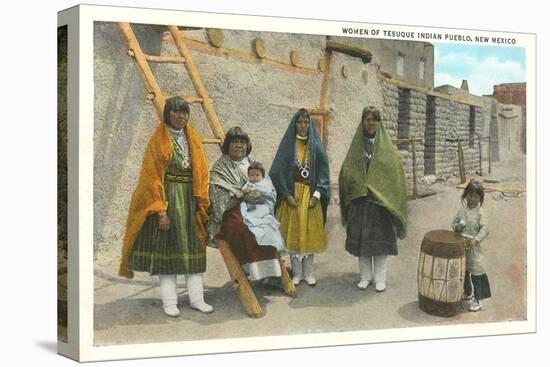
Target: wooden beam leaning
<point>143,67</point>
<point>211,115</point>
<point>241,284</point>
<point>286,281</point>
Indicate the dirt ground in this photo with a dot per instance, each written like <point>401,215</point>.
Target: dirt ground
<point>129,311</point>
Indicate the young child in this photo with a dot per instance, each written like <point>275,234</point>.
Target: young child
<point>259,217</point>
<point>470,221</point>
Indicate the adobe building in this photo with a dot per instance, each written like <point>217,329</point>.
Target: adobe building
<point>510,93</point>
<point>257,80</point>
<point>513,94</point>
<point>407,61</point>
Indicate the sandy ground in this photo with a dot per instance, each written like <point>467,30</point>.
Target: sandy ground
<point>129,311</point>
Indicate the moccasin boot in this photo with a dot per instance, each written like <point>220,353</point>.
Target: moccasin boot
<point>296,264</point>
<point>196,293</point>
<point>169,295</point>
<point>380,272</point>
<point>308,270</point>
<point>365,270</point>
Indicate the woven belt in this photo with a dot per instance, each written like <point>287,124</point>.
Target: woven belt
<point>178,178</point>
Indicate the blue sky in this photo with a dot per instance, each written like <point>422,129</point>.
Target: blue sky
<point>483,66</point>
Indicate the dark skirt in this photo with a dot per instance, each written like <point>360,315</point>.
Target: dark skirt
<point>178,250</point>
<point>370,230</point>
<point>241,240</point>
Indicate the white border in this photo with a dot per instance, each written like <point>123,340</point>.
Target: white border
<point>89,14</point>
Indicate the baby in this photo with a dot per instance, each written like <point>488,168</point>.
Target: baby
<point>259,217</point>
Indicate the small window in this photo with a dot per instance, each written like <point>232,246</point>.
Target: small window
<point>421,68</point>
<point>400,64</point>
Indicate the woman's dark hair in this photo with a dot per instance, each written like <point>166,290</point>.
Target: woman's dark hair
<point>174,104</point>
<point>372,110</point>
<point>302,112</point>
<point>257,166</point>
<point>236,132</point>
<point>473,187</point>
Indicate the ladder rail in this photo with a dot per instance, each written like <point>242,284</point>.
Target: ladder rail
<point>211,115</point>
<point>134,50</point>
<point>154,92</point>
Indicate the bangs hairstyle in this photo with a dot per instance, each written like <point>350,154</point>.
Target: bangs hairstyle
<point>374,111</point>
<point>174,104</point>
<point>257,166</point>
<point>473,187</point>
<point>236,132</point>
<point>302,112</point>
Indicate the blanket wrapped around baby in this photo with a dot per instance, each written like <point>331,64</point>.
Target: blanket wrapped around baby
<point>259,217</point>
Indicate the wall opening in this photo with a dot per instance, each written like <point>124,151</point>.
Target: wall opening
<point>422,69</point>
<point>493,132</point>
<point>404,117</point>
<point>472,127</point>
<point>429,137</point>
<point>400,69</point>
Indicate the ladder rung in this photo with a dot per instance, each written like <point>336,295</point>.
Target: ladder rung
<point>211,141</point>
<point>165,59</point>
<point>317,111</point>
<point>193,99</point>
<point>188,99</point>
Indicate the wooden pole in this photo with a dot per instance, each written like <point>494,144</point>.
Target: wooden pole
<point>241,284</point>
<point>324,93</point>
<point>197,83</point>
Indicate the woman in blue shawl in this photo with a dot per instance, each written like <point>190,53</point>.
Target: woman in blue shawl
<point>300,174</point>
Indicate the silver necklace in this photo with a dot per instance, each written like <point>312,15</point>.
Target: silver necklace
<point>303,168</point>
<point>183,150</point>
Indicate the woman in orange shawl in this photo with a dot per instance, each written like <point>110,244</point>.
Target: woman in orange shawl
<point>166,228</point>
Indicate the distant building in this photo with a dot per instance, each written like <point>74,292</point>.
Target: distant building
<point>505,121</point>
<point>510,93</point>
<point>514,94</point>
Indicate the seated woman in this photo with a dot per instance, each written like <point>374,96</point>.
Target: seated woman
<point>228,176</point>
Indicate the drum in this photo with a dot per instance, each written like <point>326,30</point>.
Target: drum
<point>441,269</point>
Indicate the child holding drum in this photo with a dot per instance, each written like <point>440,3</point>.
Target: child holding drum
<point>470,221</point>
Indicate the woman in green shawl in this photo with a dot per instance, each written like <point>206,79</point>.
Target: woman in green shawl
<point>373,199</point>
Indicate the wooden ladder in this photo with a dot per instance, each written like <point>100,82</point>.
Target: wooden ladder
<point>241,284</point>
<point>153,90</point>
